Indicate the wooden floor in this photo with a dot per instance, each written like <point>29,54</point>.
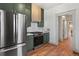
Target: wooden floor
<point>63,49</point>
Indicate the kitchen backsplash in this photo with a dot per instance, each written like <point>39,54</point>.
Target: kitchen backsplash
<point>34,28</point>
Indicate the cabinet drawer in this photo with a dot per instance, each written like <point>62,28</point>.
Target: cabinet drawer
<point>11,52</point>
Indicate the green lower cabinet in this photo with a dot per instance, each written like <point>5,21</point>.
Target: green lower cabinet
<point>46,37</point>
<point>28,13</point>
<point>30,43</point>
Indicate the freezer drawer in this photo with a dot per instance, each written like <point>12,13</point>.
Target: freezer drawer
<point>13,51</point>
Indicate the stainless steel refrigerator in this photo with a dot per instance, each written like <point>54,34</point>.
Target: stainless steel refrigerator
<point>12,33</point>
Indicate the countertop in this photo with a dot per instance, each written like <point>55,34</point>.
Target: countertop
<point>38,31</point>
<point>33,33</point>
<point>28,34</point>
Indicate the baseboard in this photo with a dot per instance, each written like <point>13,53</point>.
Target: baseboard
<point>53,44</point>
<point>66,38</point>
<point>77,53</point>
<point>61,40</point>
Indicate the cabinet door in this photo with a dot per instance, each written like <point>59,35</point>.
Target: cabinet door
<point>46,37</point>
<point>6,6</point>
<point>29,43</point>
<point>28,13</point>
<point>41,24</point>
<point>24,8</point>
<point>36,13</point>
<point>19,7</point>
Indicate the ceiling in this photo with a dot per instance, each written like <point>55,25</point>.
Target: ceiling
<point>47,5</point>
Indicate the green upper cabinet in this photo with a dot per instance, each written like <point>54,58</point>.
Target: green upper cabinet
<point>6,6</point>
<point>19,7</point>
<point>41,24</point>
<point>24,8</point>
<point>28,13</point>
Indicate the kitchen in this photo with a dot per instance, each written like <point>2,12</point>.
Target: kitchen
<point>38,33</point>
<point>34,29</point>
<point>22,28</point>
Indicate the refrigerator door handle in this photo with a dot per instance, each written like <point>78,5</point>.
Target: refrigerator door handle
<point>14,28</point>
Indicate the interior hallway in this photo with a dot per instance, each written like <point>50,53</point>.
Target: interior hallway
<point>63,49</point>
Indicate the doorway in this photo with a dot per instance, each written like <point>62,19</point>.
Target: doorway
<point>65,27</point>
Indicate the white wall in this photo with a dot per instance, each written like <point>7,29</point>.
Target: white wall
<point>50,23</point>
<point>50,19</point>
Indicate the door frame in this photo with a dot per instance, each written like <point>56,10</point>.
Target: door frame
<point>70,12</point>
